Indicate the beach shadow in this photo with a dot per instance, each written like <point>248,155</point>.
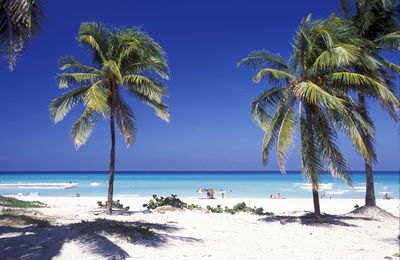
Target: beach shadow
<point>45,241</point>
<point>310,220</point>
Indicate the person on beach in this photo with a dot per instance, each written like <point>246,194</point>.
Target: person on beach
<point>387,197</point>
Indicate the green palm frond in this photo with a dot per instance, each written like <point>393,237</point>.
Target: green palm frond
<point>342,55</point>
<point>95,37</point>
<point>152,88</point>
<point>83,127</point>
<point>357,81</point>
<point>271,131</point>
<point>274,76</point>
<point>60,107</point>
<point>390,41</point>
<point>258,60</point>
<point>160,108</point>
<point>96,98</point>
<point>65,80</point>
<point>354,127</point>
<point>327,138</point>
<point>285,137</point>
<point>73,65</point>
<point>311,93</point>
<point>125,120</point>
<point>261,106</point>
<point>19,21</point>
<point>111,67</point>
<point>311,164</point>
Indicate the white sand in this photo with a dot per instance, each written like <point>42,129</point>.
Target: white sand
<point>200,235</point>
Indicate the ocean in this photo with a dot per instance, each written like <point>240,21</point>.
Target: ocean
<point>240,184</point>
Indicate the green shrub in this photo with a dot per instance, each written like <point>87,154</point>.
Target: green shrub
<point>172,201</point>
<point>115,204</point>
<point>16,203</point>
<point>218,209</point>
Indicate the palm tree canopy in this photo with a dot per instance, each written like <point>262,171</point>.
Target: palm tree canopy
<point>123,59</point>
<point>19,21</point>
<point>311,91</point>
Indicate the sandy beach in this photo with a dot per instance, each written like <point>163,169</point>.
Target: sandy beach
<point>78,229</point>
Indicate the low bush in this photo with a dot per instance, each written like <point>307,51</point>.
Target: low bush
<point>240,207</point>
<point>172,201</point>
<point>16,203</point>
<point>115,204</point>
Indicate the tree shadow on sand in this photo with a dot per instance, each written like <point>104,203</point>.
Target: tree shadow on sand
<point>310,220</point>
<point>42,240</point>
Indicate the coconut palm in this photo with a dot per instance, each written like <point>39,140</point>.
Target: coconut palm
<point>304,96</point>
<point>19,21</point>
<point>376,21</point>
<point>123,59</point>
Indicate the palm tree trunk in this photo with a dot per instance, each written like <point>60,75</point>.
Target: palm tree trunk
<point>370,191</point>
<point>317,211</point>
<point>112,160</point>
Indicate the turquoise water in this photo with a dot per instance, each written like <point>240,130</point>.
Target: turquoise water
<point>185,184</point>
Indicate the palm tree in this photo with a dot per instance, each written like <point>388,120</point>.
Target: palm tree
<point>19,21</point>
<point>123,59</point>
<point>376,22</point>
<point>304,96</point>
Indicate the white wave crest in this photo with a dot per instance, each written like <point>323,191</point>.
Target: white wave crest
<point>94,184</point>
<point>39,185</point>
<point>337,192</point>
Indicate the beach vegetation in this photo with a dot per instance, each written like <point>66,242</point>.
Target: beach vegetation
<point>125,62</point>
<point>115,204</point>
<point>20,20</point>
<point>16,203</point>
<point>172,201</point>
<point>376,22</point>
<point>312,92</point>
<point>240,207</point>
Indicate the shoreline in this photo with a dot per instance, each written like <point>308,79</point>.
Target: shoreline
<point>333,206</point>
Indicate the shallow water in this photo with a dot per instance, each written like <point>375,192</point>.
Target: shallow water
<point>185,184</point>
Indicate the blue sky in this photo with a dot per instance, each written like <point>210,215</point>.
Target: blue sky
<point>210,126</point>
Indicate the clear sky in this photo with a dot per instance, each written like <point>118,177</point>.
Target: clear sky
<point>210,126</point>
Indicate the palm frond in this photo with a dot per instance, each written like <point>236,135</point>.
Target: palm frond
<point>285,137</point>
<point>95,37</point>
<point>311,164</point>
<point>357,81</point>
<point>152,88</point>
<point>65,80</point>
<point>96,98</point>
<point>258,60</point>
<point>60,107</point>
<point>314,94</point>
<point>19,21</point>
<point>160,108</point>
<point>125,120</point>
<point>327,138</point>
<point>261,106</point>
<point>390,42</point>
<point>73,65</point>
<point>275,76</point>
<point>83,127</point>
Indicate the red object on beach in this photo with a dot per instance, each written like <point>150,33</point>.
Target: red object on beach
<point>201,190</point>
<point>212,191</point>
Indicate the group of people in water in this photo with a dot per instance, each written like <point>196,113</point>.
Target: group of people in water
<point>278,196</point>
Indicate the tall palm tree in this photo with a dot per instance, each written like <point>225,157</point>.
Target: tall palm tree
<point>304,96</point>
<point>123,59</point>
<point>376,21</point>
<point>19,21</point>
